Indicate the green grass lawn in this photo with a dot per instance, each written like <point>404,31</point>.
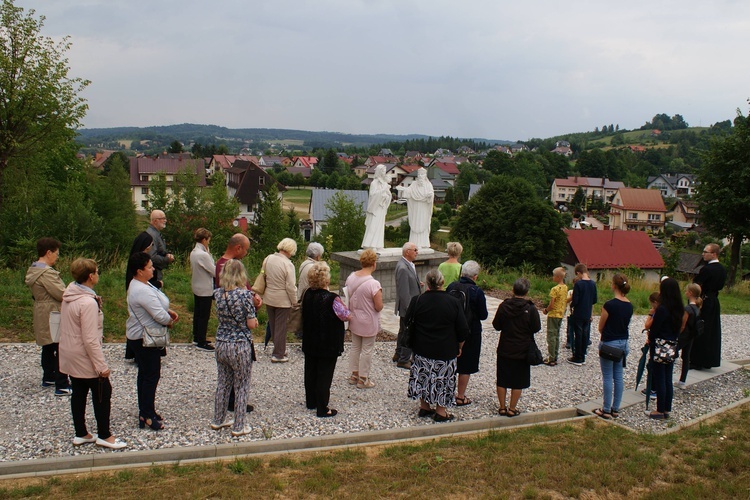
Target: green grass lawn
<point>584,459</point>
<point>297,195</point>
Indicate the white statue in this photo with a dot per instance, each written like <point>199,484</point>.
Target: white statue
<point>419,197</point>
<point>377,207</point>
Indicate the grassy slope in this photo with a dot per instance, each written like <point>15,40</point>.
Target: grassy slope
<point>589,459</point>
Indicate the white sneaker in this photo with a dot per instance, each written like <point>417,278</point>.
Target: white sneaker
<point>246,430</point>
<point>680,385</point>
<point>78,441</point>
<point>117,445</point>
<point>283,359</point>
<point>216,427</point>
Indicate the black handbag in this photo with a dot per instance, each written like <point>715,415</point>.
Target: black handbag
<point>407,339</point>
<point>534,356</point>
<point>611,353</point>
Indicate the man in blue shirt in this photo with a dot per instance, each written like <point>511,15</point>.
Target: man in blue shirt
<point>584,298</point>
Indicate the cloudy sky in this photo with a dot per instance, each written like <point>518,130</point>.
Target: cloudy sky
<point>471,68</point>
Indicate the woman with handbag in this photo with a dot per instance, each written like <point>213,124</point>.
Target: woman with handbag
<point>518,320</point>
<point>149,313</point>
<point>436,334</point>
<point>81,356</point>
<point>279,295</point>
<point>235,352</point>
<point>614,324</point>
<point>668,321</point>
<point>365,303</point>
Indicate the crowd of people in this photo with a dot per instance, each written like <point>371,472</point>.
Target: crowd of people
<point>439,339</point>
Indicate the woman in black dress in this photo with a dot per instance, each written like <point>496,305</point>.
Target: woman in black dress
<point>517,319</point>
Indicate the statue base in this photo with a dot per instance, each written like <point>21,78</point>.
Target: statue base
<point>385,271</point>
<point>394,251</point>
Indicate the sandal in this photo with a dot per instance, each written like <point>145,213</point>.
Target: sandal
<point>462,401</point>
<point>426,412</point>
<point>443,418</point>
<point>330,413</point>
<point>503,412</point>
<point>655,415</point>
<point>599,412</point>
<point>513,412</point>
<point>614,413</point>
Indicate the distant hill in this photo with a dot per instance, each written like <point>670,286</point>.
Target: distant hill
<point>207,134</point>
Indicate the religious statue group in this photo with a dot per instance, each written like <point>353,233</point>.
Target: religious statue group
<point>419,196</point>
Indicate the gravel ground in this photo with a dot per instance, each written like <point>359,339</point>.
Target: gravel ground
<point>37,424</point>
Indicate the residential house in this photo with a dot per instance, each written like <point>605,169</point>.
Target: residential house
<point>563,150</point>
<point>637,149</point>
<point>563,190</point>
<point>473,189</point>
<point>389,172</point>
<point>606,252</point>
<point>466,150</point>
<point>223,162</point>
<point>143,169</point>
<point>412,157</point>
<point>304,172</point>
<point>562,144</point>
<point>100,158</point>
<point>504,149</point>
<point>518,147</point>
<point>385,152</point>
<point>689,264</point>
<point>442,152</point>
<point>635,209</point>
<point>673,185</point>
<point>310,162</point>
<point>360,170</point>
<point>319,200</point>
<point>373,161</point>
<point>272,161</point>
<point>439,179</point>
<point>245,180</point>
<point>685,212</point>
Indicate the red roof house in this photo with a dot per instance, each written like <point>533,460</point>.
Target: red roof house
<point>605,252</point>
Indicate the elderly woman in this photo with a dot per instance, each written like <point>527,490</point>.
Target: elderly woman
<point>147,307</point>
<point>203,269</point>
<point>47,290</point>
<point>314,253</point>
<point>438,331</point>
<point>614,327</point>
<point>280,295</point>
<point>323,316</point>
<point>81,356</point>
<point>365,303</point>
<point>451,268</point>
<point>517,319</point>
<point>475,311</point>
<point>234,345</point>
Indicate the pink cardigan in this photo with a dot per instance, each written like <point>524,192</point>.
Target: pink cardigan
<point>81,332</point>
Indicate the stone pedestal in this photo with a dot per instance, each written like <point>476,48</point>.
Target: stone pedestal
<point>385,272</point>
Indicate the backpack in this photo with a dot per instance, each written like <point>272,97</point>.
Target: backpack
<point>461,292</point>
<point>698,323</point>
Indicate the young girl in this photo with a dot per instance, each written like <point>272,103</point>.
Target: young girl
<point>687,336</point>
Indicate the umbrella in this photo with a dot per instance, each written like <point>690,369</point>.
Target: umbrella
<point>268,334</point>
<point>642,364</point>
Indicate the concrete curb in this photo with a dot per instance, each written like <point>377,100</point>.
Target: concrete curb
<point>116,460</point>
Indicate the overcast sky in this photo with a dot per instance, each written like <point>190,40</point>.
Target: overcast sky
<point>484,68</point>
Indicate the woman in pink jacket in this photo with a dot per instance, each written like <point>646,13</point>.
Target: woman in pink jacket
<point>81,356</point>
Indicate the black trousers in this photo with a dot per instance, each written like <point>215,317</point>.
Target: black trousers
<point>149,373</point>
<point>101,397</point>
<point>318,379</point>
<point>51,366</point>
<point>201,314</point>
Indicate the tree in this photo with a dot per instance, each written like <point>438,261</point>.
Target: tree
<point>345,225</point>
<point>724,193</point>
<point>39,103</point>
<point>505,222</point>
<point>270,224</point>
<point>175,147</point>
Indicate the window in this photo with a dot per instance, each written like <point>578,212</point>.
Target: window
<point>144,190</point>
<point>633,215</point>
<point>656,217</point>
<point>144,203</point>
<point>144,178</point>
<point>261,181</point>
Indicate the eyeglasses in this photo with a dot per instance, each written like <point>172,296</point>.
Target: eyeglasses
<point>707,251</point>
<point>161,218</point>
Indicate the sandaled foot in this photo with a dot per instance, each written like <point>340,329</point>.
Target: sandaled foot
<point>503,412</point>
<point>513,412</point>
<point>615,413</point>
<point>426,412</point>
<point>330,413</point>
<point>443,418</point>
<point>599,412</point>
<point>462,401</point>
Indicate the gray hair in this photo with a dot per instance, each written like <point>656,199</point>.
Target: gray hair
<point>521,287</point>
<point>435,280</point>
<point>469,269</point>
<point>314,250</point>
<point>407,246</point>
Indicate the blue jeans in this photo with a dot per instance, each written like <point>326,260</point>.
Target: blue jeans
<point>581,332</point>
<point>661,379</point>
<point>612,383</point>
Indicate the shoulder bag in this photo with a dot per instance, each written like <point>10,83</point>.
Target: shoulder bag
<point>534,356</point>
<point>294,323</point>
<point>665,351</point>
<point>259,286</point>
<point>407,339</point>
<point>155,336</point>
